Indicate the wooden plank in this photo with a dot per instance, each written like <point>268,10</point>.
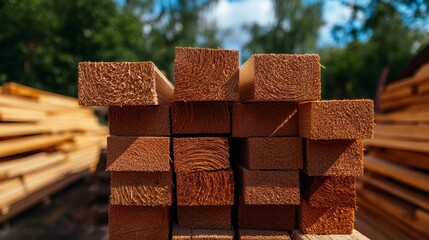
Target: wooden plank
<point>281,77</point>
<point>180,233</point>
<point>211,217</point>
<point>422,147</point>
<point>384,217</point>
<point>413,196</point>
<point>402,131</point>
<point>137,222</point>
<point>264,120</point>
<point>122,84</point>
<point>212,188</point>
<point>336,119</point>
<point>201,117</point>
<point>394,95</point>
<point>250,234</point>
<point>404,212</point>
<point>419,76</point>
<point>333,158</point>
<point>269,187</point>
<point>26,144</point>
<point>406,158</point>
<point>42,96</point>
<point>407,117</point>
<point>138,153</point>
<point>216,71</point>
<point>139,120</point>
<point>32,199</point>
<point>423,88</point>
<point>141,188</point>
<point>275,153</point>
<point>404,102</point>
<point>29,104</point>
<point>402,174</point>
<point>267,217</point>
<point>374,231</point>
<point>21,166</point>
<point>328,191</point>
<point>200,154</point>
<point>355,235</point>
<point>325,220</point>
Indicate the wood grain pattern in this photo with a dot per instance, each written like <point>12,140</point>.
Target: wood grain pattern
<point>336,119</point>
<point>139,120</point>
<point>136,223</point>
<point>201,117</point>
<point>141,188</point>
<point>264,120</point>
<point>200,154</point>
<point>250,234</point>
<point>333,157</point>
<point>281,77</point>
<point>203,74</point>
<point>268,217</point>
<point>180,233</point>
<point>269,187</point>
<point>138,154</point>
<point>211,217</point>
<point>325,220</point>
<point>213,188</point>
<point>297,235</point>
<point>275,153</point>
<point>328,191</point>
<point>407,158</point>
<point>122,84</point>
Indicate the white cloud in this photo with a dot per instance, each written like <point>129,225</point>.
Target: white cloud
<point>233,14</point>
<point>333,13</point>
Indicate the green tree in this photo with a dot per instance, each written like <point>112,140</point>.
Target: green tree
<point>294,30</point>
<point>392,38</point>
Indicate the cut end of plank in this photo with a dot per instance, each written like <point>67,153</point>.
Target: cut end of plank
<point>281,77</point>
<point>336,119</point>
<point>122,84</point>
<point>216,70</point>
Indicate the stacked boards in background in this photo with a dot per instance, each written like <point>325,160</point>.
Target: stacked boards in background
<point>138,148</point>
<point>393,194</point>
<point>47,141</point>
<point>255,153</point>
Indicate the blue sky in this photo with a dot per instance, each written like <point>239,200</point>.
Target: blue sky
<point>232,14</point>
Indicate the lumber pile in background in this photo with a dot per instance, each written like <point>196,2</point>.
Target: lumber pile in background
<point>47,141</point>
<point>221,156</point>
<point>394,192</point>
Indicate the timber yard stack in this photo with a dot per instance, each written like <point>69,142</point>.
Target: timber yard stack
<point>138,148</point>
<point>255,153</point>
<point>47,141</point>
<point>393,193</point>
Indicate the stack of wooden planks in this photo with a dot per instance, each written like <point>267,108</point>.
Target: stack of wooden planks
<point>254,153</point>
<point>393,193</point>
<point>47,141</point>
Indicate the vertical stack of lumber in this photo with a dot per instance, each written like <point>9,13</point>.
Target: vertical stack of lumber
<point>268,148</point>
<point>206,82</point>
<point>393,193</point>
<point>138,148</point>
<point>334,131</point>
<point>47,141</point>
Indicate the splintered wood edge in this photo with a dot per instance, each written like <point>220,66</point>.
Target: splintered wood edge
<point>163,87</point>
<point>247,80</point>
<point>297,235</point>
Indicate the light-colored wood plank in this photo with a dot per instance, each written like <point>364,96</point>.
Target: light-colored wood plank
<point>400,173</point>
<point>297,235</point>
<point>398,144</point>
<point>402,131</point>
<point>405,158</point>
<point>27,144</point>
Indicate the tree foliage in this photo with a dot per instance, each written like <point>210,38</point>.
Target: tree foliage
<point>294,30</point>
<point>42,41</point>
